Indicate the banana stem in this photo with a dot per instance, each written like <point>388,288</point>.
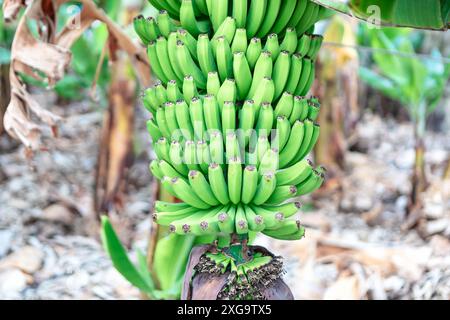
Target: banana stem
<point>418,179</point>
<point>5,90</point>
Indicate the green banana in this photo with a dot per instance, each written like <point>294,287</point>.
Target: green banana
<point>211,113</point>
<point>218,183</point>
<point>249,184</point>
<point>197,118</point>
<point>189,67</point>
<point>294,174</point>
<point>290,41</point>
<point>213,83</point>
<point>176,160</point>
<point>280,76</point>
<point>283,130</point>
<point>241,221</point>
<point>228,117</point>
<point>272,219</point>
<point>240,43</point>
<point>154,60</point>
<point>202,188</point>
<point>156,170</point>
<point>292,146</point>
<point>184,119</point>
<point>153,130</point>
<point>255,222</point>
<point>227,92</point>
<point>285,105</point>
<point>253,52</point>
<point>273,7</point>
<point>288,209</point>
<point>239,12</point>
<point>263,68</point>
<point>285,14</point>
<point>256,14</point>
<point>205,55</point>
<point>265,188</point>
<point>242,74</point>
<point>234,177</point>
<point>281,194</point>
<point>187,194</point>
<point>224,58</point>
<point>189,21</point>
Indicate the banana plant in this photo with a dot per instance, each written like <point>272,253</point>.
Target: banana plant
<point>6,38</point>
<point>419,14</point>
<point>417,83</point>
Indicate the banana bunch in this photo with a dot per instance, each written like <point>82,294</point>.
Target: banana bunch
<point>231,124</point>
<point>257,17</point>
<point>175,54</point>
<point>188,115</point>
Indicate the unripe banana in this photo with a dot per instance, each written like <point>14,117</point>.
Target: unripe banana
<point>171,119</point>
<point>281,194</point>
<point>211,113</point>
<point>294,174</point>
<point>187,194</point>
<point>169,171</point>
<point>190,155</point>
<point>253,52</point>
<point>242,74</point>
<point>285,14</point>
<point>272,220</point>
<point>172,52</point>
<point>304,44</point>
<point>307,137</point>
<point>224,58</point>
<point>280,76</point>
<point>227,220</point>
<point>311,184</point>
<point>316,43</point>
<point>273,46</point>
<point>160,93</point>
<point>165,25</point>
<point>153,130</point>
<point>228,117</point>
<point>232,147</point>
<point>240,12</point>
<point>189,41</point>
<point>285,105</point>
<point>256,13</point>
<point>249,184</point>
<point>313,141</point>
<point>189,67</point>
<point>305,109</point>
<point>162,123</point>
<point>165,218</point>
<point>216,149</point>
<point>156,170</point>
<point>218,183</point>
<point>163,206</point>
<point>227,92</point>
<point>205,55</point>
<point>298,14</point>
<point>163,57</point>
<point>139,23</point>
<point>287,209</point>
<point>265,92</point>
<point>308,18</point>
<point>154,60</point>
<point>149,100</point>
<point>265,188</point>
<point>189,89</point>
<point>283,127</point>
<point>188,20</point>
<point>173,92</point>
<point>313,111</point>
<point>247,118</point>
<point>203,156</point>
<point>261,148</point>
<point>287,227</point>
<point>240,43</point>
<point>273,7</point>
<point>241,221</point>
<point>310,80</point>
<point>227,29</point>
<point>213,83</point>
<point>255,222</point>
<point>202,188</point>
<point>234,178</point>
<point>176,159</point>
<point>184,119</point>
<point>304,78</point>
<point>265,119</point>
<point>297,109</point>
<point>218,13</point>
<point>269,162</point>
<point>292,146</point>
<point>290,41</point>
<point>263,68</point>
<point>197,119</point>
<point>294,236</point>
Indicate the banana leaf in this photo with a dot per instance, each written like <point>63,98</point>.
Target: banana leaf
<point>419,14</point>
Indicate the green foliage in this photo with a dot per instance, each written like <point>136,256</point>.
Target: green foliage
<point>139,275</point>
<point>423,14</point>
<point>414,81</point>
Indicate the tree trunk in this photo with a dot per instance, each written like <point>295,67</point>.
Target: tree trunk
<point>5,92</point>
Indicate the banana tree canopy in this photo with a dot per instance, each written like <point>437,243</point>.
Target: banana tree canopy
<point>420,14</point>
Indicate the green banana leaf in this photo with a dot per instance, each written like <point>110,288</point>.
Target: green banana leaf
<point>120,259</point>
<point>420,14</point>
